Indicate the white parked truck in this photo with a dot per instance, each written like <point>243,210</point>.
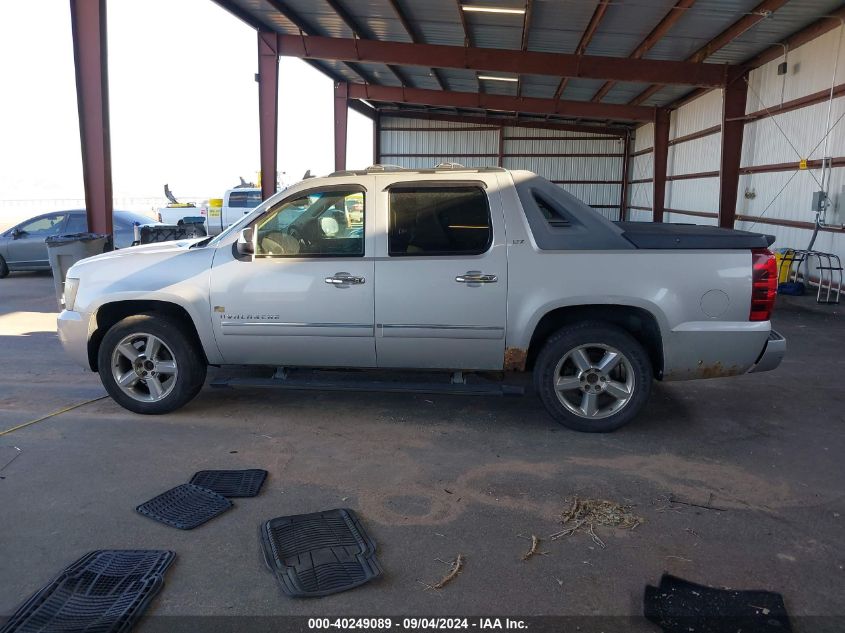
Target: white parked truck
<point>446,270</point>
<point>234,205</point>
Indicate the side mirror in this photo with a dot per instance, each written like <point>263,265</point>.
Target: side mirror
<point>245,245</point>
<point>16,233</point>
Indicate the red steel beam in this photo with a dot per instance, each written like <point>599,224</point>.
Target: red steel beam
<point>746,22</point>
<point>586,38</point>
<point>501,60</point>
<point>657,33</point>
<point>377,139</point>
<point>507,103</point>
<point>341,118</point>
<point>510,121</point>
<point>307,29</point>
<point>362,31</point>
<point>88,23</point>
<point>661,159</point>
<point>268,110</point>
<point>733,124</point>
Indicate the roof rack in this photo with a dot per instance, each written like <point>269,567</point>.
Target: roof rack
<point>385,169</point>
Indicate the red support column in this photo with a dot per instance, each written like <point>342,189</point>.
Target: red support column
<point>733,111</point>
<point>626,168</point>
<point>88,23</point>
<point>661,159</point>
<point>501,156</point>
<point>268,110</point>
<point>341,117</point>
<point>377,138</point>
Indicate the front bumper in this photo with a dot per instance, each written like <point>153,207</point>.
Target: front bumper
<point>772,354</point>
<point>72,328</point>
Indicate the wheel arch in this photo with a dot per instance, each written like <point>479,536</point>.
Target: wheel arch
<point>638,322</point>
<point>110,313</point>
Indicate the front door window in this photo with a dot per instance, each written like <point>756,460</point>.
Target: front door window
<point>321,224</point>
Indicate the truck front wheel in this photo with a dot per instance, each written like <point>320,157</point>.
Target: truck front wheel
<point>149,366</point>
<point>593,377</point>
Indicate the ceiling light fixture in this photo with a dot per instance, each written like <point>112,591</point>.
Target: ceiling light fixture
<point>481,9</point>
<point>494,78</point>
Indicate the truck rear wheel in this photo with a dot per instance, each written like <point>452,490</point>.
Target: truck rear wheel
<point>593,377</point>
<point>149,366</point>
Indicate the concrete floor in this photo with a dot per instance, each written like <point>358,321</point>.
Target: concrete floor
<point>431,477</point>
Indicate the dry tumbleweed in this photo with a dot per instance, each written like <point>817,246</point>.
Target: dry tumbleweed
<point>584,514</point>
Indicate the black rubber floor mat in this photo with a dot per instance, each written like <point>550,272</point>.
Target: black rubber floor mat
<point>679,605</point>
<point>185,507</point>
<point>105,591</point>
<point>319,554</point>
<point>231,483</point>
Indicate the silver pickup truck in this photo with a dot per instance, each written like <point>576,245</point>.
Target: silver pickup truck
<point>467,271</point>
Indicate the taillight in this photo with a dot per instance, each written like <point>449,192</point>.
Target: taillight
<point>764,284</point>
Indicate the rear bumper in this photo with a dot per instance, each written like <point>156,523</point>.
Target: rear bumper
<point>772,354</point>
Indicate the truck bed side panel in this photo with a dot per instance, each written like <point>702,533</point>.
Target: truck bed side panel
<point>699,298</point>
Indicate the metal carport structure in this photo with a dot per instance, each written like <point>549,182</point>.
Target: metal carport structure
<point>590,67</point>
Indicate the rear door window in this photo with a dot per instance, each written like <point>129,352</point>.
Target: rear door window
<point>441,220</point>
<point>244,199</point>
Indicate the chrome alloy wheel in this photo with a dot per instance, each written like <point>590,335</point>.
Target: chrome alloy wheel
<point>144,367</point>
<point>594,381</point>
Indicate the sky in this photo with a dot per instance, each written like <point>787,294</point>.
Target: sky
<point>183,104</point>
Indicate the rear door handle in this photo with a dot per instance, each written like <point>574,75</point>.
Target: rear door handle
<point>344,279</point>
<point>476,277</point>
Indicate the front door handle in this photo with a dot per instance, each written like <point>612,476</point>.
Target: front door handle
<point>344,279</point>
<point>476,277</point>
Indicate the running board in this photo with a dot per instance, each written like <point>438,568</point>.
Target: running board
<point>357,384</point>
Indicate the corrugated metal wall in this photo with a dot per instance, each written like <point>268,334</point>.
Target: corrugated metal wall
<point>586,164</point>
<point>793,135</point>
<point>780,194</point>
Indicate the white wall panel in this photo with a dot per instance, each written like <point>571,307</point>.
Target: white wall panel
<point>787,195</point>
<point>440,142</point>
<point>446,141</point>
<point>810,69</point>
<point>638,215</point>
<point>698,194</point>
<point>698,155</point>
<point>680,218</point>
<point>697,115</point>
<point>771,140</point>
<point>644,137</point>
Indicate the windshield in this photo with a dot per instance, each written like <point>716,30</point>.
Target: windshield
<point>233,228</point>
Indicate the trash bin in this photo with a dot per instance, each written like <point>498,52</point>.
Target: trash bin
<point>64,251</point>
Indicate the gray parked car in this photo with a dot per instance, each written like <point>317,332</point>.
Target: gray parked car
<point>23,247</point>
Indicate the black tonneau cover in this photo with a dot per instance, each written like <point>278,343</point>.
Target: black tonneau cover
<point>653,235</point>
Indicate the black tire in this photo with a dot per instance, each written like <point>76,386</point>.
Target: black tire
<point>4,268</point>
<point>182,349</point>
<point>633,374</point>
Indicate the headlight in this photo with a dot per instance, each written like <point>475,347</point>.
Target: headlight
<point>69,296</point>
